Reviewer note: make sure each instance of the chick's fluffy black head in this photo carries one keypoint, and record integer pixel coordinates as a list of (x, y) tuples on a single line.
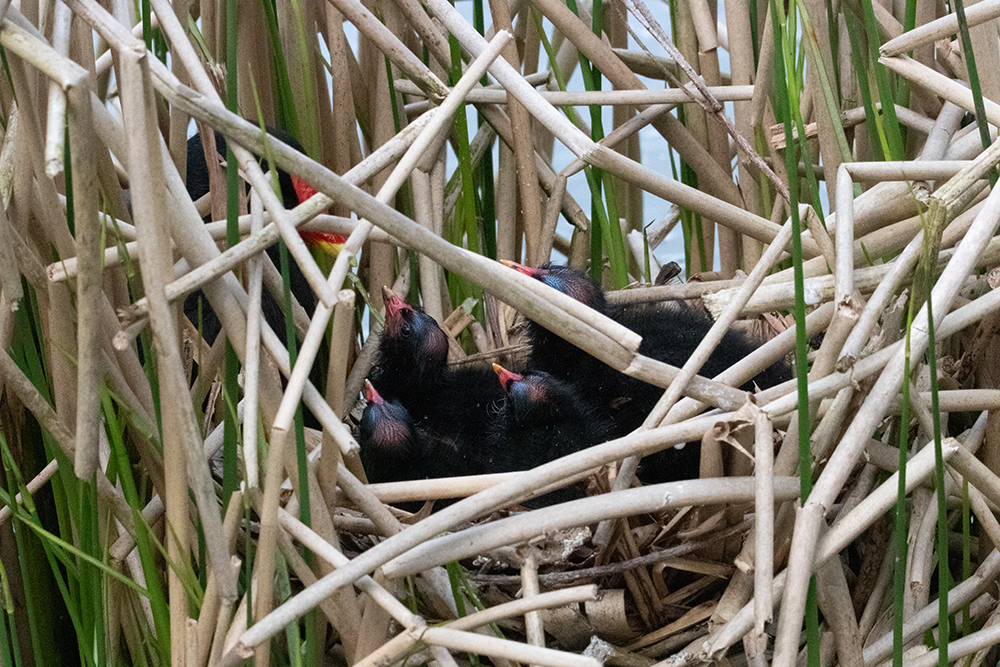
[(535, 396)]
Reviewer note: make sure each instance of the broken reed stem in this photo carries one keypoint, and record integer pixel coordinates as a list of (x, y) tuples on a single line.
[(549, 600)]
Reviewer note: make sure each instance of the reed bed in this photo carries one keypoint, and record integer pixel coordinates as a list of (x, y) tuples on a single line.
[(163, 502)]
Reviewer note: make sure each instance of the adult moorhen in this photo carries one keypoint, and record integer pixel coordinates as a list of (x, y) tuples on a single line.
[(293, 191)]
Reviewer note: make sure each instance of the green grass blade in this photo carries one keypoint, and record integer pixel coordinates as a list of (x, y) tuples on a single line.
[(889, 124), (944, 572), (231, 364), (782, 60), (143, 534), (973, 71), (902, 512)]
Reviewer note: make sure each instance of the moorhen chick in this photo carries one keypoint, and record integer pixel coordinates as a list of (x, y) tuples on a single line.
[(453, 403), (670, 333), (392, 449), (293, 191), (543, 418)]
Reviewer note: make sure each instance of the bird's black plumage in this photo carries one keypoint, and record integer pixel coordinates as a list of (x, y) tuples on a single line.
[(542, 418), (412, 361), (549, 352), (395, 449), (670, 333)]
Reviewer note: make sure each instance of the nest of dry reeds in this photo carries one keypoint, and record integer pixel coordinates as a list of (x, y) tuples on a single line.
[(847, 517)]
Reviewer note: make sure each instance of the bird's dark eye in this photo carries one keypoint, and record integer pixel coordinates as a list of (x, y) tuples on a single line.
[(405, 330)]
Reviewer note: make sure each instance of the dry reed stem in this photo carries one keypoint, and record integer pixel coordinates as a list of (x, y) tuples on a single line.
[(926, 618), (763, 555), (341, 336), (668, 96), (919, 469), (35, 483), (212, 607), (90, 299), (251, 360), (781, 296), (942, 27), (581, 512), (524, 486), (181, 426), (534, 629), (144, 181), (511, 650), (842, 460)]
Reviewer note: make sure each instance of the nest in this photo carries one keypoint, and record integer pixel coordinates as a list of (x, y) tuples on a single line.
[(115, 407)]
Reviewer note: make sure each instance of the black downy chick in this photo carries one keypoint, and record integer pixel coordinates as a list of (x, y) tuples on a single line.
[(394, 449), (550, 352), (293, 190), (542, 419), (391, 448), (670, 334), (453, 403), (412, 361)]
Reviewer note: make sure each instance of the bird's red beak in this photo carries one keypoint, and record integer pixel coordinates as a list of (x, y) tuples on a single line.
[(371, 395), (526, 270), (506, 377), (325, 241), (393, 304)]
